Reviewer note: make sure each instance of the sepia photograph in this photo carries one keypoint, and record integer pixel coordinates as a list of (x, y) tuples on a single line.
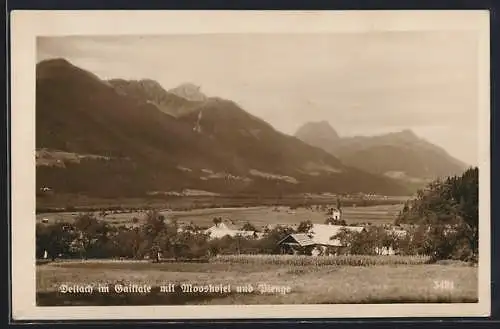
[(253, 167)]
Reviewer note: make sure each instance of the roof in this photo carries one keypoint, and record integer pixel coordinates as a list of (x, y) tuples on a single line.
[(301, 238), (225, 225), (320, 234), (323, 232), (222, 229)]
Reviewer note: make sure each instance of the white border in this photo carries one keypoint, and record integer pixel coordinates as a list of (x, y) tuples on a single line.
[(27, 25)]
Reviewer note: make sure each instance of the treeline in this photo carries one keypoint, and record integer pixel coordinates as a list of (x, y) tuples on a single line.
[(447, 210), (89, 237), (417, 240)]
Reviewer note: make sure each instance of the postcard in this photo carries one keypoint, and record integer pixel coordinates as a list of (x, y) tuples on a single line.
[(250, 164)]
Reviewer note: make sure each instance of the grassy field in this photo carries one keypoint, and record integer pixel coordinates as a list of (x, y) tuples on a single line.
[(304, 260), (258, 216), (47, 202), (328, 284)]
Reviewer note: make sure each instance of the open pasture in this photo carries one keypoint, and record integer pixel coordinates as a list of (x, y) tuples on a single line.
[(258, 216), (308, 284)]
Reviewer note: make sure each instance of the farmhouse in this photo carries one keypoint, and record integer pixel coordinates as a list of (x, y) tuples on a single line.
[(317, 240), (221, 229), (323, 232), (296, 242)]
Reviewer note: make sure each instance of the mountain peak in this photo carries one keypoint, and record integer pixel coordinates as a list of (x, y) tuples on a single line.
[(54, 62), (319, 130), (61, 67), (405, 134), (47, 66), (408, 132), (189, 91), (151, 83)]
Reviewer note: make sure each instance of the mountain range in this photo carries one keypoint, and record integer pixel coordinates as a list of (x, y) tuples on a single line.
[(400, 155), (115, 138)]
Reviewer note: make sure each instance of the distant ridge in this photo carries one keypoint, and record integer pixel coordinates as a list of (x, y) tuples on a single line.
[(401, 155)]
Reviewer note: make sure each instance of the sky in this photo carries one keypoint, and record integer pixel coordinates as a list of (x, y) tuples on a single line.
[(361, 83)]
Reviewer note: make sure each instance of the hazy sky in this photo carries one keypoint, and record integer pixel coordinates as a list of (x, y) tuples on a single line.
[(362, 83)]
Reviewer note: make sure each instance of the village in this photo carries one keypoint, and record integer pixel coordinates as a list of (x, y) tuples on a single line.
[(308, 238), (149, 234)]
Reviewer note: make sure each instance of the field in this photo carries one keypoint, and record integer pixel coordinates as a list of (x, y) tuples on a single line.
[(304, 260), (281, 283), (258, 216)]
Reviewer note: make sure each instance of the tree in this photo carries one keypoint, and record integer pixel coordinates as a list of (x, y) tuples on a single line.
[(150, 231), (269, 244), (126, 242), (249, 227), (304, 226), (217, 220), (333, 221), (465, 191), (56, 239), (92, 235), (448, 210), (367, 242)]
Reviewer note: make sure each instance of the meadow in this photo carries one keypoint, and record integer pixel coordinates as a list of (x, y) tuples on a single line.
[(305, 260), (307, 284), (257, 216)]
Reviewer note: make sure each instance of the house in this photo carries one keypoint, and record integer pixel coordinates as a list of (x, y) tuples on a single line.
[(222, 229), (317, 241), (296, 243), (323, 232), (334, 213)]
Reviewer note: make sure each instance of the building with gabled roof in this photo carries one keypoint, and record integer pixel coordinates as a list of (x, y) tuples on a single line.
[(317, 240), (220, 230), (322, 233), (298, 239)]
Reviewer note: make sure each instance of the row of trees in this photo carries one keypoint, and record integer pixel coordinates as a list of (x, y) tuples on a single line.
[(89, 237), (418, 240)]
